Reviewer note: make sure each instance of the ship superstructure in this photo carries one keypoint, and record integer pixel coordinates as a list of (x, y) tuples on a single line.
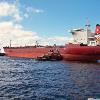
[(85, 45), (85, 36)]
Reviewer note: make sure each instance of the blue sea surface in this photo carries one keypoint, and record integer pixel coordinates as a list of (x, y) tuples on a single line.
[(27, 79)]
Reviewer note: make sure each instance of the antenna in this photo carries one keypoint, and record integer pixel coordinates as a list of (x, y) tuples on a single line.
[(87, 24), (10, 43), (37, 44)]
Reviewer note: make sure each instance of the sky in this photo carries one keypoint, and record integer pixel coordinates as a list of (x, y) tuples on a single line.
[(47, 21)]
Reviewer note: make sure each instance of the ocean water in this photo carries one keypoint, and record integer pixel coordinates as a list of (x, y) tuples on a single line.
[(27, 79)]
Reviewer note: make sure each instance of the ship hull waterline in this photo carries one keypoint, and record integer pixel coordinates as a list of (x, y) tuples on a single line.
[(29, 52), (69, 52), (82, 58), (75, 52)]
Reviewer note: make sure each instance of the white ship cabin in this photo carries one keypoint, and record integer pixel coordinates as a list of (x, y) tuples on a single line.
[(84, 36)]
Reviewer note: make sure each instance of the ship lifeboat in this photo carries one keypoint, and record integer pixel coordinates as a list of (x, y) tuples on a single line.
[(76, 52)]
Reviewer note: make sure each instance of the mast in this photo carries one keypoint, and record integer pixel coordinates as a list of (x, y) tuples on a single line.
[(37, 44), (88, 25), (10, 43)]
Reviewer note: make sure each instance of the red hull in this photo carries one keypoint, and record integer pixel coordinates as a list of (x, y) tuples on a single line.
[(71, 52), (83, 58), (75, 52), (29, 52)]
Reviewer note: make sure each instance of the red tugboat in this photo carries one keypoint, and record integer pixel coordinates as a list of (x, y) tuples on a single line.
[(52, 55), (85, 45)]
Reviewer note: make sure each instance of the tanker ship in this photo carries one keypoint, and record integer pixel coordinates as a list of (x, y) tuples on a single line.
[(31, 51), (84, 47)]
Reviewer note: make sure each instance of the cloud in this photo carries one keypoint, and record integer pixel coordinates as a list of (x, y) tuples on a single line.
[(33, 10), (26, 15), (21, 37), (59, 40), (8, 9), (16, 33), (11, 30)]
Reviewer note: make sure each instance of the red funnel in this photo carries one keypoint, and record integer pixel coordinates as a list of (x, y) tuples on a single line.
[(97, 31)]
